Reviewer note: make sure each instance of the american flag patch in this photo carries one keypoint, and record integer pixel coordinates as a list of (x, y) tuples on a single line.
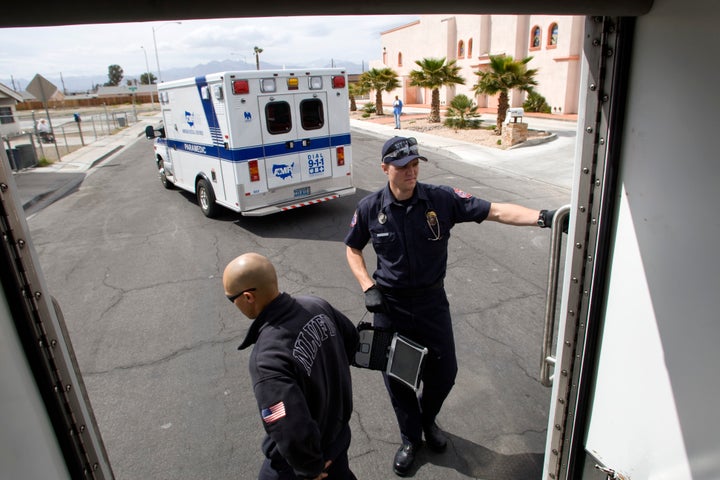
[(353, 222), (273, 413), (461, 194)]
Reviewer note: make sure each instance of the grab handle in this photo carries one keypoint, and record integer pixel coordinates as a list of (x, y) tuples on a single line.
[(548, 361)]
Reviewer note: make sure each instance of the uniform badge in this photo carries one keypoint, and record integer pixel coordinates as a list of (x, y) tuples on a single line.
[(382, 218)]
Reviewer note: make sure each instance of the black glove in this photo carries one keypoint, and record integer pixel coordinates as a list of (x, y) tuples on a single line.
[(374, 300), (546, 220)]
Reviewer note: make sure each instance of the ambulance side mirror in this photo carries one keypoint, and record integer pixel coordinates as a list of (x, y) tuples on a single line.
[(149, 132)]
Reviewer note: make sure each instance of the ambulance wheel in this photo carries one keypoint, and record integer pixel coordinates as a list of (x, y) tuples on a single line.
[(163, 178), (206, 199)]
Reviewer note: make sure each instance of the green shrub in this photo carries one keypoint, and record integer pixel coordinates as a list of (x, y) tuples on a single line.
[(536, 103), (369, 108), (462, 113)]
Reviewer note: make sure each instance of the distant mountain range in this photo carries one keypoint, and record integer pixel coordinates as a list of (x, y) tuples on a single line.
[(82, 84)]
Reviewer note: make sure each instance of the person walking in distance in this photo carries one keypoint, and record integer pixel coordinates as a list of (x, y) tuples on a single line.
[(408, 224), (300, 371), (397, 111)]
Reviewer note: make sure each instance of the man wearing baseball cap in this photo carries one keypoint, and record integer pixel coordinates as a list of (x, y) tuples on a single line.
[(409, 225)]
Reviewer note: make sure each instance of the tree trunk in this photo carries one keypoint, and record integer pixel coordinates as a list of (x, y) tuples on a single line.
[(378, 103), (353, 104), (435, 106), (503, 105)]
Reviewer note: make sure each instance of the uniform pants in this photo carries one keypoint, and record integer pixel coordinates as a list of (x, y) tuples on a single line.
[(339, 469), (426, 320)]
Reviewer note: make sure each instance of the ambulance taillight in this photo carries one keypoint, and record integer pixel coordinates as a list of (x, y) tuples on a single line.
[(340, 156), (338, 81), (254, 171), (240, 87)]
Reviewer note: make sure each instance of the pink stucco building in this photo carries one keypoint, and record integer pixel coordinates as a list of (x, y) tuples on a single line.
[(554, 41)]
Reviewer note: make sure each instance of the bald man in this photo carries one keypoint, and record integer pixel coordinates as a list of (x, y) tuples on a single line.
[(300, 370)]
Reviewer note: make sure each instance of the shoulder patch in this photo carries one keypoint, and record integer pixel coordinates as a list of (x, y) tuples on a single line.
[(461, 194), (273, 413), (353, 222)]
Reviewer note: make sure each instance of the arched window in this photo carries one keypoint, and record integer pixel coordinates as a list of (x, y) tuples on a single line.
[(469, 49), (553, 35), (399, 59), (535, 38), (461, 49)]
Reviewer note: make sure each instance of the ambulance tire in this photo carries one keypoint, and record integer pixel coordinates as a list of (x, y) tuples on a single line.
[(206, 199), (163, 178)]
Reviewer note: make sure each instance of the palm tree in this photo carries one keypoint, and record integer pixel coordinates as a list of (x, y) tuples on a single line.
[(505, 74), (433, 74), (257, 51), (462, 113), (380, 80), (355, 90)]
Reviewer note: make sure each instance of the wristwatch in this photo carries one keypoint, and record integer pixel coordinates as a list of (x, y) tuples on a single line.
[(541, 219)]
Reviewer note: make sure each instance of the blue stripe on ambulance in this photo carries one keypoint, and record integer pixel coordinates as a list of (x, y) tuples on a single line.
[(258, 151)]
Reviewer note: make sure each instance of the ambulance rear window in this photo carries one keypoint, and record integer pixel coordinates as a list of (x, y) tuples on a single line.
[(311, 114), (277, 115)]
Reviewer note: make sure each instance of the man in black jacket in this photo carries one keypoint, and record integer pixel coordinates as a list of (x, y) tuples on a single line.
[(300, 369)]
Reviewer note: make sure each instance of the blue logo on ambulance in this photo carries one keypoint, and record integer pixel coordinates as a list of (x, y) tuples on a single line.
[(283, 171)]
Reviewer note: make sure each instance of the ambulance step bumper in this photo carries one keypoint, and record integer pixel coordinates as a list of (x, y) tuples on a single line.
[(311, 200)]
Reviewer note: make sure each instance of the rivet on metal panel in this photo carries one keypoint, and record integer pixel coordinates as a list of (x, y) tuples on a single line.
[(582, 208), (568, 343), (68, 387), (574, 279), (555, 452), (564, 373), (3, 187), (571, 313), (589, 259), (586, 170), (561, 401), (38, 294), (578, 245), (605, 98), (557, 426), (597, 182), (610, 52), (589, 129), (53, 343), (21, 243), (596, 42), (593, 87), (602, 141)]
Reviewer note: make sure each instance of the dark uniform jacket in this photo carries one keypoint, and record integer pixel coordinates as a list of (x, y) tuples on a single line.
[(411, 238), (301, 376)]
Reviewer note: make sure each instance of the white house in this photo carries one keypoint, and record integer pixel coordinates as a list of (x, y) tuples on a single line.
[(554, 41), (8, 123)]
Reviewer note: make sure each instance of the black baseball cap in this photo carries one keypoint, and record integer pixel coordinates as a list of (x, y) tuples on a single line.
[(399, 151)]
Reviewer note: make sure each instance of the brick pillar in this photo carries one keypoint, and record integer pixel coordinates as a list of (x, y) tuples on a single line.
[(514, 133)]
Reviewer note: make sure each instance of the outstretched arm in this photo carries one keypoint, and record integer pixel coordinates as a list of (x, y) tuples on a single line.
[(511, 214)]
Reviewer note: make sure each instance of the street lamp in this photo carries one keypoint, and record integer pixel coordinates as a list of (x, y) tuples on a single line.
[(149, 76), (257, 51), (157, 60)]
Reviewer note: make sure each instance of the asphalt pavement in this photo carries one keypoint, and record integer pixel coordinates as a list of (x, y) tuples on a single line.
[(550, 161)]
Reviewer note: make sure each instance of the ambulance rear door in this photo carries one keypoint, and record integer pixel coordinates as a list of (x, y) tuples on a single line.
[(296, 142)]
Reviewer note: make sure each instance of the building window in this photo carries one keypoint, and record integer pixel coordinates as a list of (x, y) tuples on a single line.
[(400, 59), (384, 56), (553, 35), (461, 49), (469, 49), (535, 38), (6, 116)]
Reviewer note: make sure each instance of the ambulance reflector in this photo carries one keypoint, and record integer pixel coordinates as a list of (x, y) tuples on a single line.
[(254, 171), (340, 156), (240, 87), (293, 83), (338, 81)]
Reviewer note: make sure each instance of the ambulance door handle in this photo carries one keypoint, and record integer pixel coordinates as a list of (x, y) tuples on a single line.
[(306, 142), (547, 360), (290, 145)]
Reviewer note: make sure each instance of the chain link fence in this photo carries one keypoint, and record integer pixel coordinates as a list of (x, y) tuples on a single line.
[(69, 130)]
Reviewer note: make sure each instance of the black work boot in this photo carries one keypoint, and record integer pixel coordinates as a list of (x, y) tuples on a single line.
[(405, 457), (435, 438)]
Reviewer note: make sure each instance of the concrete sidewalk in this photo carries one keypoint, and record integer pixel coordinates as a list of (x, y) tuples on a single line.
[(550, 162), (40, 187)]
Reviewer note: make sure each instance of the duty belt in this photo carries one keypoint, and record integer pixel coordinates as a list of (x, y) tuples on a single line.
[(411, 292)]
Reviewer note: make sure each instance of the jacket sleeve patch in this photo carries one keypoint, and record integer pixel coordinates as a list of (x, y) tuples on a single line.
[(273, 413)]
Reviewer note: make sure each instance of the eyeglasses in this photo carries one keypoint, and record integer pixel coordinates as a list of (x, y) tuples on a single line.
[(232, 298), (402, 149)]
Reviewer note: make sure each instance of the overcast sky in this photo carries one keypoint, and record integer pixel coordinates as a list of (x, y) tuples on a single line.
[(89, 49)]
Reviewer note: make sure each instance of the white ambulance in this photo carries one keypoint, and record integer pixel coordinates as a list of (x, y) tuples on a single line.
[(256, 142)]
